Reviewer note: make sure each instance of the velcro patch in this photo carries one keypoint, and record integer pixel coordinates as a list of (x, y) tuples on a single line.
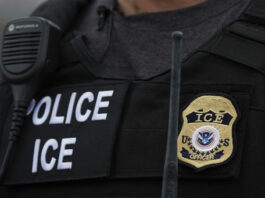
[(69, 134), (206, 137)]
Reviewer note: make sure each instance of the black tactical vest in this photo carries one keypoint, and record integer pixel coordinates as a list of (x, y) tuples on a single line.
[(87, 136)]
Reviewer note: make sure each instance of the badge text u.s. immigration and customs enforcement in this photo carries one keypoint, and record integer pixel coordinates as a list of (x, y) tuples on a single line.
[(206, 137)]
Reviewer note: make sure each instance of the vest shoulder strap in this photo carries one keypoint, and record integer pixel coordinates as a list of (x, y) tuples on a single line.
[(256, 9), (241, 42), (66, 14), (62, 13)]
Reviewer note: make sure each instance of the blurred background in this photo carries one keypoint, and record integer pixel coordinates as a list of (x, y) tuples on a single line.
[(12, 9)]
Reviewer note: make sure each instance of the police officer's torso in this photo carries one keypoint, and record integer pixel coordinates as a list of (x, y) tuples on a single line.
[(87, 136)]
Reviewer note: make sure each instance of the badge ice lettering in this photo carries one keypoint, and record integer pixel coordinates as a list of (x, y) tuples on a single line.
[(46, 107), (40, 154), (221, 117)]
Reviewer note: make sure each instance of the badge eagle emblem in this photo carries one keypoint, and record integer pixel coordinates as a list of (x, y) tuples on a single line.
[(206, 137)]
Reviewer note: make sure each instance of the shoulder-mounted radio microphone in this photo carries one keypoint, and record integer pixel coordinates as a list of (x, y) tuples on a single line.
[(30, 55), (30, 52)]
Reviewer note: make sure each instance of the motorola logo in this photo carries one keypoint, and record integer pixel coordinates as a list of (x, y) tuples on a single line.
[(11, 28), (26, 26)]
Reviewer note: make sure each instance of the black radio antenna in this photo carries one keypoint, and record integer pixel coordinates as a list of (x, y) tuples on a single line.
[(170, 178)]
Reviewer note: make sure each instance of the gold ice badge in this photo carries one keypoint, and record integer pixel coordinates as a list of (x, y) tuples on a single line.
[(206, 137)]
